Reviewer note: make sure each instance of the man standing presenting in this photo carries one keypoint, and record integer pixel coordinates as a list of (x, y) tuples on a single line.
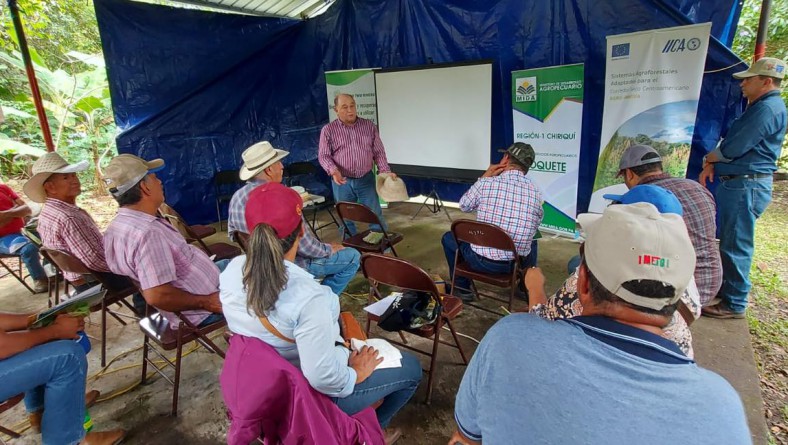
[(348, 147), (744, 163), (334, 263), (642, 165), (505, 197)]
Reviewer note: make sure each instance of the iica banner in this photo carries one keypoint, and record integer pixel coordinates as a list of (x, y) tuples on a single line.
[(361, 84), (652, 85), (548, 113)]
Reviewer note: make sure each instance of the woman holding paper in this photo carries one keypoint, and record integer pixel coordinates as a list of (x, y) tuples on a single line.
[(265, 295)]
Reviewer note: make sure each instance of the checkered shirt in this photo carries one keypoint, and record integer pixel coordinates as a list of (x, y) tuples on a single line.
[(510, 201), (152, 252), (66, 227), (700, 217), (351, 148), (308, 248)]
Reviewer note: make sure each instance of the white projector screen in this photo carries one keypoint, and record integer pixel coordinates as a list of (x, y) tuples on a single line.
[(435, 120)]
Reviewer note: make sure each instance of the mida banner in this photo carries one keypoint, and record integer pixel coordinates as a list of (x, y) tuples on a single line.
[(547, 108), (652, 85)]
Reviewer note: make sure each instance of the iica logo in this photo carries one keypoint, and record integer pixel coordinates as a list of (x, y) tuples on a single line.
[(679, 45), (526, 90)]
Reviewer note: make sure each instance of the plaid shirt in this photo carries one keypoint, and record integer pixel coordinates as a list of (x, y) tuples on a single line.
[(510, 201), (152, 252), (699, 216), (308, 248), (351, 148), (66, 227)]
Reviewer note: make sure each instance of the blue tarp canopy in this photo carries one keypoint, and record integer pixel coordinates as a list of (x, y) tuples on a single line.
[(196, 88)]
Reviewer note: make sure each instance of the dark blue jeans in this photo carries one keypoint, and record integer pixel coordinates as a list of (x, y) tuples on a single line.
[(361, 190), (52, 376), (478, 262), (394, 385), (740, 202)]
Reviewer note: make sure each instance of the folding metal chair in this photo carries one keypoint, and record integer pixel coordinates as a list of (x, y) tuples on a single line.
[(15, 269), (242, 239), (381, 269), (5, 406), (308, 169), (222, 251), (485, 235), (356, 212), (157, 329), (115, 295), (221, 183)]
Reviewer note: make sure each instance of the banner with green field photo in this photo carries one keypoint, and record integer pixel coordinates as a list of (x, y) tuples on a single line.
[(547, 108), (652, 86)]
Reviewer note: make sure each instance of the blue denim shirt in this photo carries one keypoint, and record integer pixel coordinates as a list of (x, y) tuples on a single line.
[(755, 139)]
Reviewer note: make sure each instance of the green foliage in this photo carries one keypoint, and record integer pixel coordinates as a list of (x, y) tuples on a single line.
[(674, 158), (65, 48)]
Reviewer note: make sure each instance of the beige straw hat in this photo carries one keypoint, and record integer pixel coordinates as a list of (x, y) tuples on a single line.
[(391, 189), (258, 157), (45, 167)]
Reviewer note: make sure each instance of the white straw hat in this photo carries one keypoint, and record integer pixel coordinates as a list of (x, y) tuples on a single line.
[(258, 157), (391, 189), (45, 167)]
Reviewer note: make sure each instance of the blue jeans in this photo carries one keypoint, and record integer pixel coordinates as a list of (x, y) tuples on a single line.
[(394, 385), (478, 262), (52, 375), (338, 269), (739, 203), (361, 190), (28, 254)]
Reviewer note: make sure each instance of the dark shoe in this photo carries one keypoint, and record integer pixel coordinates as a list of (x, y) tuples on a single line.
[(464, 295), (113, 437), (391, 435), (721, 310)]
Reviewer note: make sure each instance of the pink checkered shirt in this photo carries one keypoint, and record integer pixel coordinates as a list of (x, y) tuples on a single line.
[(510, 201), (351, 148), (152, 252), (66, 227)]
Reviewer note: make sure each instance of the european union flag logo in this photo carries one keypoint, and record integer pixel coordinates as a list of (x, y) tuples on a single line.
[(620, 50)]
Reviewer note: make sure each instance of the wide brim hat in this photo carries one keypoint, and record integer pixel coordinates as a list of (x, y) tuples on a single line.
[(43, 168), (391, 189), (258, 157)]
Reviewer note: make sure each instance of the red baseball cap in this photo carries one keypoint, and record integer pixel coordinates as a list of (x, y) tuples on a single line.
[(275, 205)]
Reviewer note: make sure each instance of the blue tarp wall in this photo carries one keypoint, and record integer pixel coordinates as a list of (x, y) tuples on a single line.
[(196, 88)]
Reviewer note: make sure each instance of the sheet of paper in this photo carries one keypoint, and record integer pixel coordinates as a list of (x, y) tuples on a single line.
[(392, 357), (379, 307)]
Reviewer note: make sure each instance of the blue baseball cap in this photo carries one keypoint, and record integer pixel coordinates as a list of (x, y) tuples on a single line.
[(663, 199)]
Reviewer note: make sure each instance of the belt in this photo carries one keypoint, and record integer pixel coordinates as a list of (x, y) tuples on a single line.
[(750, 176)]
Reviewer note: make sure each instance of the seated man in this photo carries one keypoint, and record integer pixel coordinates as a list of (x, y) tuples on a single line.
[(12, 212), (642, 165), (566, 304), (337, 264), (50, 368), (172, 274), (64, 226), (505, 197), (607, 376)]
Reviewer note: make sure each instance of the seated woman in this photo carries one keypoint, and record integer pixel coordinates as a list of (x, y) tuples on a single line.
[(265, 295)]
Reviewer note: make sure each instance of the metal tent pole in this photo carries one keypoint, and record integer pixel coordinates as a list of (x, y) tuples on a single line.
[(763, 27), (31, 75)]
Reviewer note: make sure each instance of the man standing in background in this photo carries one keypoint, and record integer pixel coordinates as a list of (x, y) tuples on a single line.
[(744, 163), (348, 148)]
